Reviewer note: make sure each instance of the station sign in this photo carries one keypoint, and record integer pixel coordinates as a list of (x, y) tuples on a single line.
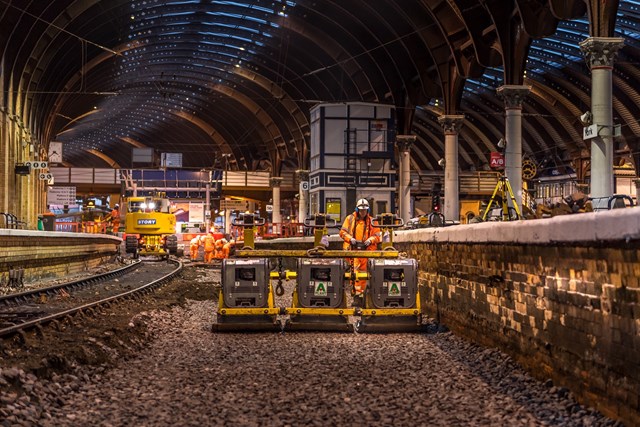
[(234, 205), (196, 212), (61, 195)]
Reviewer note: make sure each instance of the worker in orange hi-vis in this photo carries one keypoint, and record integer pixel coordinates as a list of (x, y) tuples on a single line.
[(359, 233), (209, 247), (194, 245), (226, 250), (220, 248), (115, 219)]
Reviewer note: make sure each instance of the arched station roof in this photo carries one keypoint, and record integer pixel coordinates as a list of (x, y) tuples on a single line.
[(217, 79)]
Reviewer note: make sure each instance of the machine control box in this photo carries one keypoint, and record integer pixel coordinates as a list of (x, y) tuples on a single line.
[(393, 283), (321, 282), (245, 282)]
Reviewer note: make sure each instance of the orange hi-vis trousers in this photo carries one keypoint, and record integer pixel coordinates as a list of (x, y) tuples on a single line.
[(359, 265), (193, 251)]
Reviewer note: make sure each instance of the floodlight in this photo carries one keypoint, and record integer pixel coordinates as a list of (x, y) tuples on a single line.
[(586, 119)]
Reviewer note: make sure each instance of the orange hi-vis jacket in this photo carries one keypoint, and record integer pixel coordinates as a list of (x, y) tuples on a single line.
[(219, 245), (209, 243), (115, 219), (360, 229)]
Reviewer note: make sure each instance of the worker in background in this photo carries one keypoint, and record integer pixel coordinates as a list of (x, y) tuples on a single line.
[(220, 248), (194, 245), (115, 219), (359, 233), (209, 247), (228, 248)]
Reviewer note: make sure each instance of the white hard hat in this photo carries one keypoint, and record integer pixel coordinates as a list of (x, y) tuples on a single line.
[(362, 204)]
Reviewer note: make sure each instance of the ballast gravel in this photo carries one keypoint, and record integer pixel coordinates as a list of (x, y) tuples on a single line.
[(190, 376)]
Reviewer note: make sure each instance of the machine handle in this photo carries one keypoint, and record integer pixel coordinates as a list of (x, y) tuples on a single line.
[(248, 221), (388, 220), (320, 221)]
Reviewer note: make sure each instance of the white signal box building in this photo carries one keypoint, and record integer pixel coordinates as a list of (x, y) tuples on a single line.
[(352, 157)]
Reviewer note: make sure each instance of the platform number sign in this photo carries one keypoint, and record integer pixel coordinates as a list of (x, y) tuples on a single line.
[(45, 176), (304, 185), (497, 160)]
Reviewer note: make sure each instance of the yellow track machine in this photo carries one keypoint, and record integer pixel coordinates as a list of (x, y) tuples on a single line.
[(150, 227), (319, 301)]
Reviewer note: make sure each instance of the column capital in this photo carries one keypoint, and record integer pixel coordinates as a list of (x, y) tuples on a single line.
[(275, 181), (404, 142), (302, 174), (451, 123), (601, 51), (513, 95)]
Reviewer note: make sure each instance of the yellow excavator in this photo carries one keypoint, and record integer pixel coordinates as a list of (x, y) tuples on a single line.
[(150, 226)]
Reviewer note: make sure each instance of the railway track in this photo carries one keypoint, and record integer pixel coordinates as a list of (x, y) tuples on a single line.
[(29, 309)]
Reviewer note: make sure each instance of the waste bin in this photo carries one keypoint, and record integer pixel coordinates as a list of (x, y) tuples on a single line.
[(49, 222)]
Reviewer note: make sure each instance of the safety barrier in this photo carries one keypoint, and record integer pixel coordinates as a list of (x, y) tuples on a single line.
[(11, 221), (94, 227), (68, 226), (616, 201), (272, 230)]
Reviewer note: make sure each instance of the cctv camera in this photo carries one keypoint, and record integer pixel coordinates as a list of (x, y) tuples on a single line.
[(586, 119), (502, 143), (441, 162)]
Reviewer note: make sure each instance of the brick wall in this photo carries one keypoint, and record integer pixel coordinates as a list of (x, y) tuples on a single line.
[(563, 301)]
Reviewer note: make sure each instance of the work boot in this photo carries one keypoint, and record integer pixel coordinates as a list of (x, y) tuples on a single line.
[(358, 301)]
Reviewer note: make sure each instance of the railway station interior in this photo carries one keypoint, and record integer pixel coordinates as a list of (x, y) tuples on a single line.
[(493, 144)]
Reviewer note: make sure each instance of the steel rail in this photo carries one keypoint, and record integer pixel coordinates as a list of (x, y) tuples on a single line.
[(15, 299), (46, 319)]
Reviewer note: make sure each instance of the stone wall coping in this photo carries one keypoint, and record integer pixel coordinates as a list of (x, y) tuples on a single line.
[(5, 232), (612, 225)]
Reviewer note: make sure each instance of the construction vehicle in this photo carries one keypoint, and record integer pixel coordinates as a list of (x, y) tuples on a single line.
[(319, 300), (150, 227)]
